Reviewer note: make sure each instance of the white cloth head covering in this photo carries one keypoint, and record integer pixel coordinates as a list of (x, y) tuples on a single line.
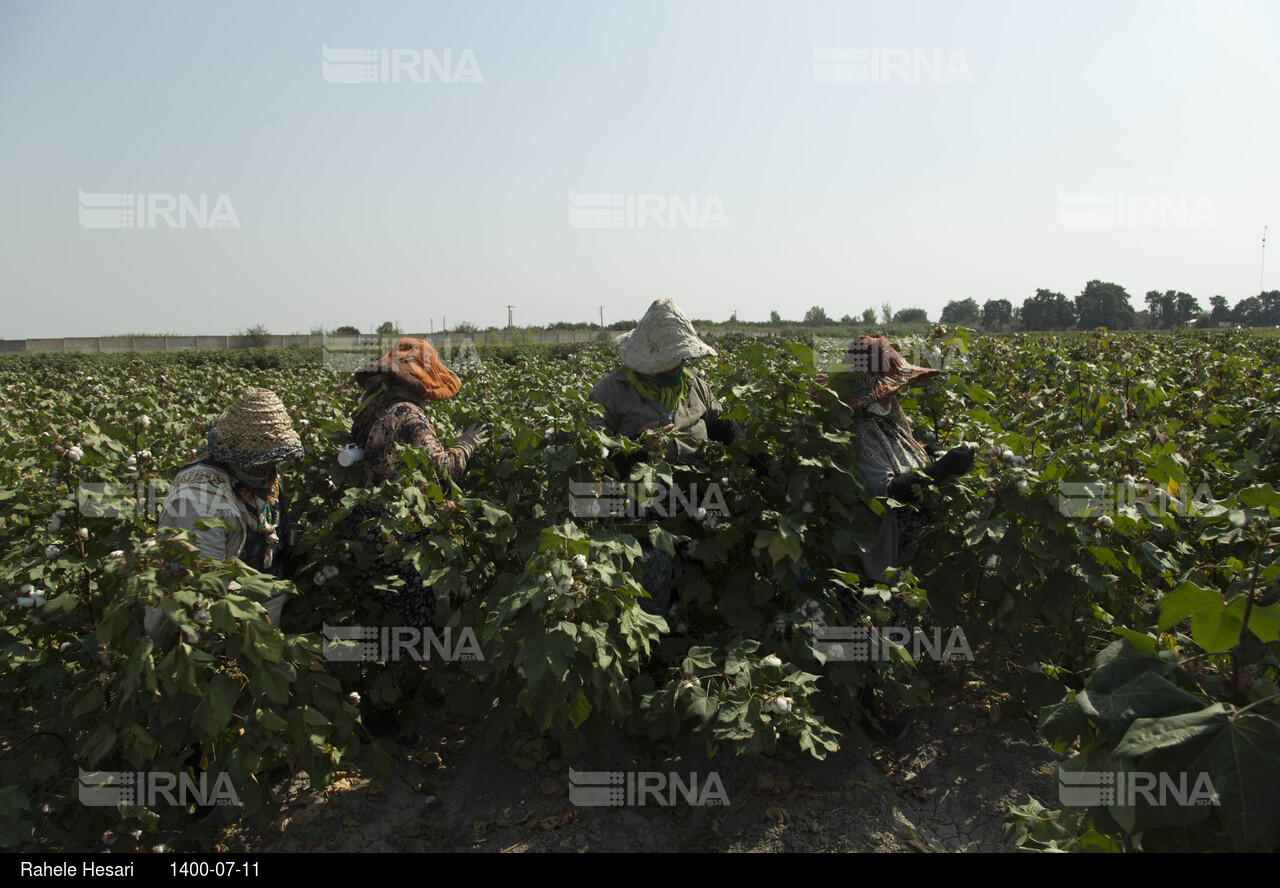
[(661, 341)]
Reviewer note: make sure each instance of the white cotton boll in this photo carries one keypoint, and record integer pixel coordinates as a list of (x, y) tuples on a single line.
[(64, 647), (699, 514), (74, 455), (807, 508), (1105, 521), (116, 553), (548, 579), (330, 571), (51, 552), (145, 454), (565, 585), (604, 452), (771, 660), (779, 626), (1007, 456), (233, 586), (712, 521), (203, 617), (1023, 487), (144, 420), (37, 593), (681, 628), (579, 562), (82, 533), (354, 698), (26, 589), (318, 578), (1019, 462), (26, 602)]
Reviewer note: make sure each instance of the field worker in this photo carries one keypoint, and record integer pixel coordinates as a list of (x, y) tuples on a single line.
[(892, 462), (234, 478), (396, 388), (653, 390)]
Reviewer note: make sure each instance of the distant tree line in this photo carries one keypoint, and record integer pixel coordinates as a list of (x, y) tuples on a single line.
[(1099, 304)]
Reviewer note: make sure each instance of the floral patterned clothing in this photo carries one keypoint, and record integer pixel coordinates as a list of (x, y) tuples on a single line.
[(394, 417), (396, 421)]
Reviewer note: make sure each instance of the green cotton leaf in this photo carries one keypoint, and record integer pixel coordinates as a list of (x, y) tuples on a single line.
[(1147, 735), (92, 699), (1063, 723), (98, 744), (1262, 495), (1144, 643), (579, 710), (264, 643), (270, 720), (1217, 628), (1264, 622), (275, 680), (1183, 602), (1143, 696), (59, 605), (214, 711), (1240, 753)]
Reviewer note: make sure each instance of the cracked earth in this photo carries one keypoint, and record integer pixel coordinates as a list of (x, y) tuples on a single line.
[(944, 786)]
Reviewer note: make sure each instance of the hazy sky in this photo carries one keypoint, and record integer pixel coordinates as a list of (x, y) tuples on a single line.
[(761, 156)]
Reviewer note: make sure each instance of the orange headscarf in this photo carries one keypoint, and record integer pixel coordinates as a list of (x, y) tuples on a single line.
[(416, 366)]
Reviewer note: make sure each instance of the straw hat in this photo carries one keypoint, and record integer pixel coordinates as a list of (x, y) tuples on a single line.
[(416, 366), (872, 369), (254, 432), (663, 338)]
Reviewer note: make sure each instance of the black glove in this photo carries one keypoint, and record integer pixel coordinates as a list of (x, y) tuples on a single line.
[(955, 461), (623, 462), (906, 488), (725, 431), (933, 449)]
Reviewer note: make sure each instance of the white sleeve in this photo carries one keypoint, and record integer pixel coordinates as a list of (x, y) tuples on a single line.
[(212, 543)]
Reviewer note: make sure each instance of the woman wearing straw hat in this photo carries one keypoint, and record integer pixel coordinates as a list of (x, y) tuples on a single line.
[(235, 479), (653, 391), (892, 462)]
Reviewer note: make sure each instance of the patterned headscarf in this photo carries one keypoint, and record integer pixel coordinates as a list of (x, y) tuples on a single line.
[(414, 365)]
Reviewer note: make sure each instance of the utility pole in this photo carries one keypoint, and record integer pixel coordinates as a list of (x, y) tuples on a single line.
[(509, 307), (444, 323), (1262, 273), (602, 319)]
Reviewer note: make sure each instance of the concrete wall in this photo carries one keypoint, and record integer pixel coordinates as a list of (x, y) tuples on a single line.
[(368, 342)]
